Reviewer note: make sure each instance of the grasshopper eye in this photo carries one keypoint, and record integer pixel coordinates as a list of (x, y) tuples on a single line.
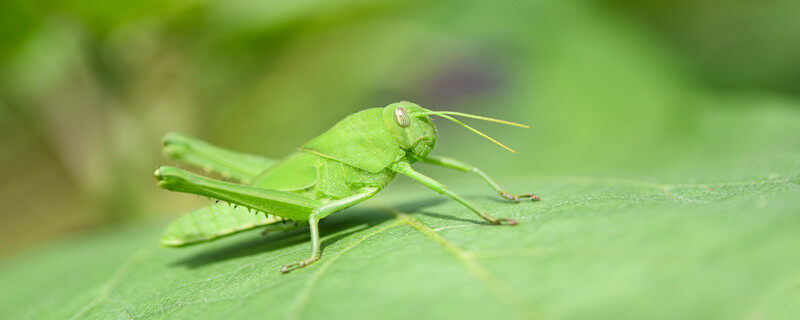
[(401, 117)]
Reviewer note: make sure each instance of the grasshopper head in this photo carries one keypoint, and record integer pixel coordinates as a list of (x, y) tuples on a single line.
[(416, 134), (411, 126)]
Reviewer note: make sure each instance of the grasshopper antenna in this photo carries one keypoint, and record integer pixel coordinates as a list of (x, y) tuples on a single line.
[(472, 116), (444, 114)]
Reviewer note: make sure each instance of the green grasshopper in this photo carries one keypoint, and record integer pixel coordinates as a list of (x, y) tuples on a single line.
[(346, 165)]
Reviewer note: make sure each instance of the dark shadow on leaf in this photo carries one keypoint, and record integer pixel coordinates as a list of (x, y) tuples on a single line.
[(417, 205), (495, 199), (351, 221), (452, 218), (341, 225)]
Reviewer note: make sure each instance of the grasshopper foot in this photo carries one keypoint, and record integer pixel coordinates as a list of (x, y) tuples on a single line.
[(298, 265), (515, 198)]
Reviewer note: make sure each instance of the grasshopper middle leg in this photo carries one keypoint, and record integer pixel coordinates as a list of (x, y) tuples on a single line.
[(322, 212)]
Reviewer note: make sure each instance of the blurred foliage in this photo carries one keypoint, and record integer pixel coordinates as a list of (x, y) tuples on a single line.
[(87, 88), (732, 44)]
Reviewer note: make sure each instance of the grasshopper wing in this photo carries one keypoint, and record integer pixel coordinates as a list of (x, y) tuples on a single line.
[(297, 171)]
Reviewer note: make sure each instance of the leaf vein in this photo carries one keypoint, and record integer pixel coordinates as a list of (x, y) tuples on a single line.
[(496, 286), (293, 312), (107, 286)]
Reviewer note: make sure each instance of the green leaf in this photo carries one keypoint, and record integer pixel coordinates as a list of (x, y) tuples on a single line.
[(702, 222), (724, 244)]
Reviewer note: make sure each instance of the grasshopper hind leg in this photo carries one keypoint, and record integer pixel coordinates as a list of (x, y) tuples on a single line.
[(288, 204), (230, 164)]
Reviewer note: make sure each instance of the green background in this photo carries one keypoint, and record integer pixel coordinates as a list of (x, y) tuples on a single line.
[(665, 143)]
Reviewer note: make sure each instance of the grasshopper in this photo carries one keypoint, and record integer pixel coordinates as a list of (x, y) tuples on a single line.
[(346, 165)]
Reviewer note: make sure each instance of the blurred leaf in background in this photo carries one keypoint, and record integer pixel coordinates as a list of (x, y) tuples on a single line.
[(730, 44)]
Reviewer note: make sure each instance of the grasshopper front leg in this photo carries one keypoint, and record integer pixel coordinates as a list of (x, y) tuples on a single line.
[(463, 166), (405, 168), (322, 212)]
